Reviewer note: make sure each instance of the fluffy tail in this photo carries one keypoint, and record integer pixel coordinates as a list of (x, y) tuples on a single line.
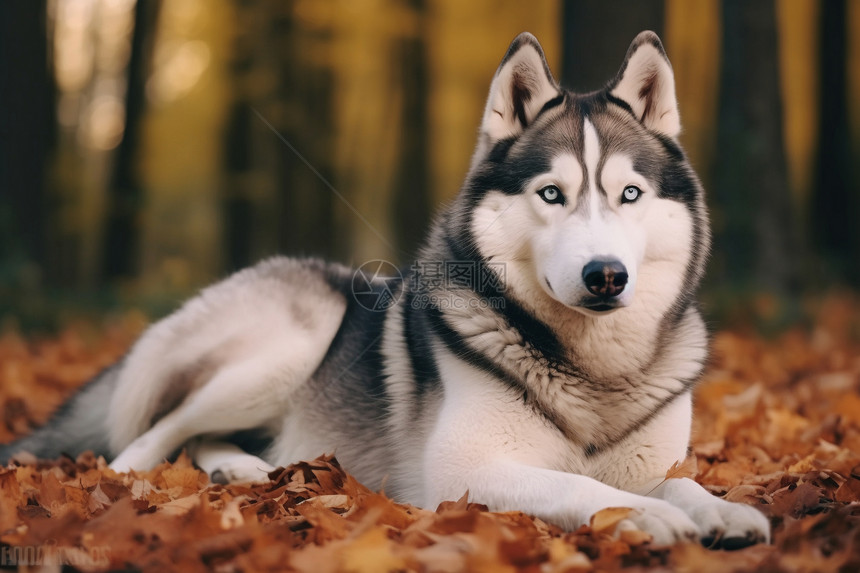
[(79, 425)]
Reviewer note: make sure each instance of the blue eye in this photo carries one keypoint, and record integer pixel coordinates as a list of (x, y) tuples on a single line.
[(631, 194), (552, 195)]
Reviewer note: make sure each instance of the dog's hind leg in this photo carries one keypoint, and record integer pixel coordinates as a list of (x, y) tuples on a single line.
[(232, 359), (240, 396), (228, 463)]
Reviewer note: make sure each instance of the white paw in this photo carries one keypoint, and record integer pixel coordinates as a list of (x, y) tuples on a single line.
[(729, 525), (724, 524), (242, 471), (666, 523), (136, 456)]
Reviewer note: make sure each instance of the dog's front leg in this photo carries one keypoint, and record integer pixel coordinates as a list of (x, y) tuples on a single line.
[(566, 499)]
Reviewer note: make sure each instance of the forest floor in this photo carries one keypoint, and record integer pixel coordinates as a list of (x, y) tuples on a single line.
[(777, 426)]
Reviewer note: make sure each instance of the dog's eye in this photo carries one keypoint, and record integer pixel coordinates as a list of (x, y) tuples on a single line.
[(552, 195), (631, 194)]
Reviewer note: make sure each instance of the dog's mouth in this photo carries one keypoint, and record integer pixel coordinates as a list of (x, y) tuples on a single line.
[(597, 305), (602, 307), (590, 305)]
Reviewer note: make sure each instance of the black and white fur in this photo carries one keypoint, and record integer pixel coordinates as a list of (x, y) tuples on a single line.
[(555, 389)]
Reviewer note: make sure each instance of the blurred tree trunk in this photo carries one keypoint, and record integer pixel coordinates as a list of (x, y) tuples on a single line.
[(236, 203), (237, 207), (692, 39), (412, 208), (368, 125), (835, 205), (247, 140), (124, 199), (304, 95), (273, 201), (596, 37), (754, 220), (27, 130)]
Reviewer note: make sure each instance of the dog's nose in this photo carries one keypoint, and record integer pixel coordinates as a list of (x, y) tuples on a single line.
[(605, 278)]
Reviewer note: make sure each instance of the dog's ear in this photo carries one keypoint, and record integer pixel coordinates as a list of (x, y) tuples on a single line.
[(521, 87), (646, 83)]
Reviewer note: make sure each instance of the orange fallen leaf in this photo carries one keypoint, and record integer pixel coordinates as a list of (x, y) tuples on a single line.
[(689, 468), (371, 552), (606, 520)]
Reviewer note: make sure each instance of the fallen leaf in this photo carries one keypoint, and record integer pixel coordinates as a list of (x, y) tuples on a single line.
[(689, 468), (605, 520), (371, 552)]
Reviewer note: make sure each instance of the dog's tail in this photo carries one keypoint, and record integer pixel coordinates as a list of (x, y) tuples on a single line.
[(79, 425)]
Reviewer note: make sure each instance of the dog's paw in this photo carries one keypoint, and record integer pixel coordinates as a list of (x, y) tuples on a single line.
[(246, 470), (728, 525), (724, 524), (666, 523)]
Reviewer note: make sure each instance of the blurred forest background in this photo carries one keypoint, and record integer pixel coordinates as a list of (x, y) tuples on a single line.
[(148, 147)]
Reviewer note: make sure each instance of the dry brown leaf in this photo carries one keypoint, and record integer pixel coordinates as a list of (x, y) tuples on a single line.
[(634, 537), (605, 520), (371, 552), (745, 493), (849, 492), (180, 506), (10, 499), (689, 468)]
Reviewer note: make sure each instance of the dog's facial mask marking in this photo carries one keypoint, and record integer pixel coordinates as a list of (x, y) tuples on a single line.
[(579, 223), (587, 253)]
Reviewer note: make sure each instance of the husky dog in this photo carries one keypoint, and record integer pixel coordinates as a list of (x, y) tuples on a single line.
[(540, 354)]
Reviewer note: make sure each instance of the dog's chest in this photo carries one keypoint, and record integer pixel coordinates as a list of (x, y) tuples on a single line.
[(541, 406), (589, 411)]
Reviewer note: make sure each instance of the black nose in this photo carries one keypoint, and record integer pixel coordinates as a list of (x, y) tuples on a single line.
[(605, 278)]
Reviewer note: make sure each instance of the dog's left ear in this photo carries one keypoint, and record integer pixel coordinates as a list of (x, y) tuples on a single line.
[(521, 87), (647, 84)]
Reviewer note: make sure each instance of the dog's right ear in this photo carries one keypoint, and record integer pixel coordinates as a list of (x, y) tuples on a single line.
[(647, 84), (521, 87)]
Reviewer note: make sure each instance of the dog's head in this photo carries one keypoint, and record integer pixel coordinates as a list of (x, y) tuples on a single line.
[(587, 199)]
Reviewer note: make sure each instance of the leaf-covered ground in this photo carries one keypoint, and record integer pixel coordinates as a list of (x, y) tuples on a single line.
[(777, 426)]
